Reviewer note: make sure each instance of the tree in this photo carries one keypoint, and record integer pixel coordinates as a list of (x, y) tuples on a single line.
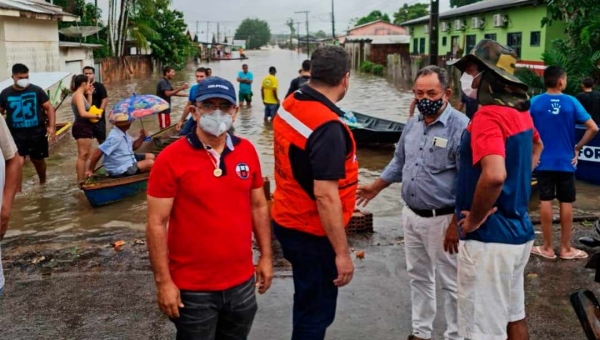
[(460, 3), (170, 46), (256, 32), (579, 54), (373, 16), (320, 35), (406, 12), (290, 24), (89, 16)]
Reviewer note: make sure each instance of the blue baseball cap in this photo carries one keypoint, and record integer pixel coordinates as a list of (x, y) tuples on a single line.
[(215, 87)]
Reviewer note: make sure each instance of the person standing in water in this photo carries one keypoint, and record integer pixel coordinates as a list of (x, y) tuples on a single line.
[(30, 118), (83, 128)]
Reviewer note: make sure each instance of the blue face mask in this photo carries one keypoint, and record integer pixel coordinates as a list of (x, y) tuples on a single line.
[(216, 123)]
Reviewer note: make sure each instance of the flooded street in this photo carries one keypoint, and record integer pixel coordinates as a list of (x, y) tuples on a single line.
[(61, 207), (65, 281)]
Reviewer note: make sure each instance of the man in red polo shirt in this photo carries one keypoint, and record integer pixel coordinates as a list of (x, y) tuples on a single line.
[(208, 188)]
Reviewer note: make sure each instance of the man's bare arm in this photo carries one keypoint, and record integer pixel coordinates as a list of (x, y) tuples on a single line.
[(262, 232), (590, 132), (159, 210), (538, 147), (104, 104), (330, 210), (50, 113), (94, 158)]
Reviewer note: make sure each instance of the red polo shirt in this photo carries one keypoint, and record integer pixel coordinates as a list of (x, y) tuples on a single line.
[(210, 227)]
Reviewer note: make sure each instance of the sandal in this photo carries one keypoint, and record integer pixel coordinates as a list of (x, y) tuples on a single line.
[(537, 251), (579, 254)]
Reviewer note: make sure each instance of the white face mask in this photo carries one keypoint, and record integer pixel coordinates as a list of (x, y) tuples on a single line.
[(466, 82), (23, 83), (216, 123)]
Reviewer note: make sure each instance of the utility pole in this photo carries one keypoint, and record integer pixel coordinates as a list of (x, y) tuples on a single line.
[(197, 27), (307, 43), (332, 21), (298, 35), (433, 32), (207, 28)]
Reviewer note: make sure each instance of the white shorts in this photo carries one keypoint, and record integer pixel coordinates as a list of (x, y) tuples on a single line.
[(491, 289)]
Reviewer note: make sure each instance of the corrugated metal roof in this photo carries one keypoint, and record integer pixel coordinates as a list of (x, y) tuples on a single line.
[(380, 39), (371, 23), (37, 7), (478, 7)]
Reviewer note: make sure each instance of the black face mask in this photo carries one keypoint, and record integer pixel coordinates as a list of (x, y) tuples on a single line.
[(429, 107)]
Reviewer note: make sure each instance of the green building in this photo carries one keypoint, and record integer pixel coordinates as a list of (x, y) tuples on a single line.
[(514, 23)]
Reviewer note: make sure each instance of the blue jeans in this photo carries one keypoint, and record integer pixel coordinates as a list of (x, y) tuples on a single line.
[(315, 295), (219, 315), (189, 126), (271, 110)]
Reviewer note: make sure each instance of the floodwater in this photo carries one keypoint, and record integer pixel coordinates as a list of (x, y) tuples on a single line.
[(60, 206)]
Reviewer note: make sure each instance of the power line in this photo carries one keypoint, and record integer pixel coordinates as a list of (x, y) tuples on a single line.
[(307, 43)]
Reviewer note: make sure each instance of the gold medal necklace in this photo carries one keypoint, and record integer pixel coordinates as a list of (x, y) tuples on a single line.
[(217, 172)]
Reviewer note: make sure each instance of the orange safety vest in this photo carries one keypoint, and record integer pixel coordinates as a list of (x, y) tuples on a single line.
[(292, 206)]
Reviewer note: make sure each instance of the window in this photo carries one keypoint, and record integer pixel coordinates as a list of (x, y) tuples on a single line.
[(455, 46), (422, 47), (513, 40), (444, 41), (471, 41), (415, 46), (536, 38), (491, 36)]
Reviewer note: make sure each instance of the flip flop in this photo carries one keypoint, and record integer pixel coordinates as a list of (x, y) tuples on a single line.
[(579, 254), (537, 251)]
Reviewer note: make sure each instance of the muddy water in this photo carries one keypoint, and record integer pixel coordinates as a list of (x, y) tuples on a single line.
[(61, 207)]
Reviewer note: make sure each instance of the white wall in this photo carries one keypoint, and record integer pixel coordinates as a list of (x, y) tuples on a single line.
[(28, 41)]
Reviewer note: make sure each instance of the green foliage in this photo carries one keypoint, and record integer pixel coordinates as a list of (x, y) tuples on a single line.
[(170, 46), (256, 32), (377, 70), (373, 16), (369, 67), (579, 54), (321, 34), (406, 12), (533, 81), (460, 3), (90, 16), (366, 66)]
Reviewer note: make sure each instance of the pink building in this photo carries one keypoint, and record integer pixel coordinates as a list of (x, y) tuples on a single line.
[(378, 27)]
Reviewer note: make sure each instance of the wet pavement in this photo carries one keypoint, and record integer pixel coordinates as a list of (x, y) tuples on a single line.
[(65, 281)]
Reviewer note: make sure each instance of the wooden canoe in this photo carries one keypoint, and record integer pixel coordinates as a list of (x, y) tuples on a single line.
[(101, 189), (375, 130)]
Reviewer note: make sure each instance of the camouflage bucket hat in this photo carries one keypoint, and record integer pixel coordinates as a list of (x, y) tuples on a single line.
[(495, 57)]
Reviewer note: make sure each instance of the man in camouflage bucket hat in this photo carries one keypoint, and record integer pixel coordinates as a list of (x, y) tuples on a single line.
[(498, 152)]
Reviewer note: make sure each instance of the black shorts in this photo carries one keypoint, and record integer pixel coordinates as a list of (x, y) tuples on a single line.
[(99, 131), (556, 184), (31, 142), (81, 129)]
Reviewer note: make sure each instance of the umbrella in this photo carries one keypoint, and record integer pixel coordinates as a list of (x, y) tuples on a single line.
[(136, 107)]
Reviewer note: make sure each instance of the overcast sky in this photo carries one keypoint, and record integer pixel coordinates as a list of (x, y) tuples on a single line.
[(231, 12)]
